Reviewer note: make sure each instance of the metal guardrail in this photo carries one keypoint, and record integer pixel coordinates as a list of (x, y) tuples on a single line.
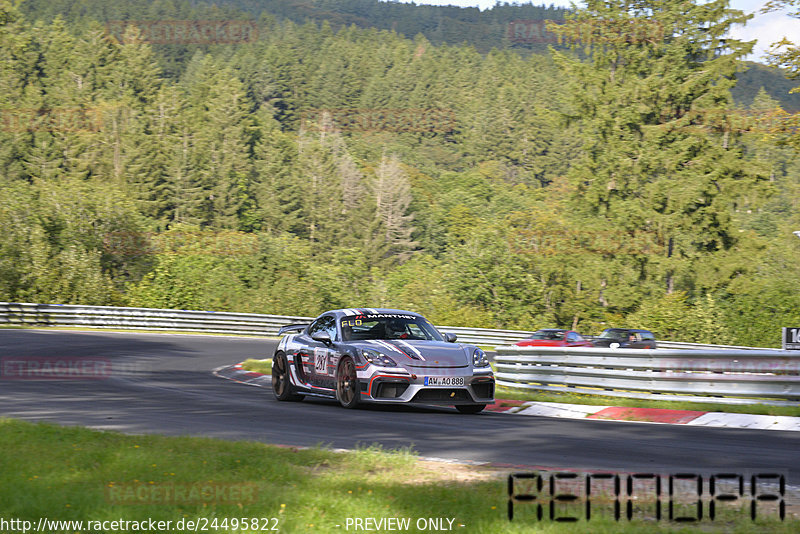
[(674, 371), (485, 336), (725, 376), (195, 321), (689, 346), (231, 323), (137, 318)]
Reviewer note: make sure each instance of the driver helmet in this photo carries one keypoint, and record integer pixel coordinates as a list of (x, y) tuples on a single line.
[(395, 327)]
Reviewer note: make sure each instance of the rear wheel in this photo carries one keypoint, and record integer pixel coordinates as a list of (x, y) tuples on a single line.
[(281, 385), (347, 390), (470, 408)]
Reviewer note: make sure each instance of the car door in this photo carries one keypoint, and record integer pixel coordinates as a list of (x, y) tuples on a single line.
[(648, 340), (320, 369), (637, 342)]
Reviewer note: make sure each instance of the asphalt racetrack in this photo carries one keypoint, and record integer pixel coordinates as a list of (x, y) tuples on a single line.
[(162, 383)]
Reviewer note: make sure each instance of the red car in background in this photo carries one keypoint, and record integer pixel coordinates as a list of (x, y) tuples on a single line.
[(554, 337)]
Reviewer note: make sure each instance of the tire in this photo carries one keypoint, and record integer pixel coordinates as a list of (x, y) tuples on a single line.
[(347, 390), (281, 385), (470, 408)]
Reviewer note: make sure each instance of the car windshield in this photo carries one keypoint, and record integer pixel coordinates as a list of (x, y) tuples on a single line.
[(557, 335), (388, 326), (612, 334)]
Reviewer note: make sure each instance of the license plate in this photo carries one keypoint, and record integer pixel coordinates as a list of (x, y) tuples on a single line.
[(451, 381)]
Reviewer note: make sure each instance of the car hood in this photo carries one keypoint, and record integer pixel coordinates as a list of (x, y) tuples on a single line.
[(420, 354)]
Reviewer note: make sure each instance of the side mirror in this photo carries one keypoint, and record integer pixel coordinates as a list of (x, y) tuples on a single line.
[(450, 337), (322, 337)]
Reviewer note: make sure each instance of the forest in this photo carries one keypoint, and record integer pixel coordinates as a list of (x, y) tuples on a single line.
[(291, 157)]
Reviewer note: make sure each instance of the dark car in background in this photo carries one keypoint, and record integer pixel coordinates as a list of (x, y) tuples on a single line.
[(554, 337), (625, 338)]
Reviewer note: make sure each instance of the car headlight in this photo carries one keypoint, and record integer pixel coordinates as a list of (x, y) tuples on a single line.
[(479, 358), (376, 358)]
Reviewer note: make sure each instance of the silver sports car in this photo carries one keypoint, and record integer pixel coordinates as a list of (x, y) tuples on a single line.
[(380, 355)]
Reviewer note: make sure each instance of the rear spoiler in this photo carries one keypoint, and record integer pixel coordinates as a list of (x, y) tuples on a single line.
[(292, 328)]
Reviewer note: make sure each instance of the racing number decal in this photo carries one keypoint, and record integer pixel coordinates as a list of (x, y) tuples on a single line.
[(321, 361)]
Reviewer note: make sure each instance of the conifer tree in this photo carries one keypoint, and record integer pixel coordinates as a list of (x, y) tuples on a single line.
[(277, 184), (219, 140), (654, 106)]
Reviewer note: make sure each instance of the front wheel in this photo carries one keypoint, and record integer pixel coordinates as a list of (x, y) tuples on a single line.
[(281, 385), (347, 390), (470, 408)]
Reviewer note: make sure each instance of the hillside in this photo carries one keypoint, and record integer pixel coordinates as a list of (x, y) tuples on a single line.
[(774, 82), (316, 167)]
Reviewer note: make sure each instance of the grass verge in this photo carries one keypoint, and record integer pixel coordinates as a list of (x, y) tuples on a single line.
[(77, 474), (600, 400), (258, 366)]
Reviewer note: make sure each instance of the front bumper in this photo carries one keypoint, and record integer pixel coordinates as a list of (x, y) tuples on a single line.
[(387, 387)]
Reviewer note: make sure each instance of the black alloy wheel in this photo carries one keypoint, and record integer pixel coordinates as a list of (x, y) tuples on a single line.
[(281, 385), (347, 390)]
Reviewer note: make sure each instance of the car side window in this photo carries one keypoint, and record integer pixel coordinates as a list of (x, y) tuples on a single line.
[(326, 323), (572, 337)]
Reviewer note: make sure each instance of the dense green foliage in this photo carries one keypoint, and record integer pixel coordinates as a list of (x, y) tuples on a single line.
[(316, 167)]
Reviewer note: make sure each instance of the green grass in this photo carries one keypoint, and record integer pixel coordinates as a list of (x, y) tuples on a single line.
[(67, 473), (258, 366)]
